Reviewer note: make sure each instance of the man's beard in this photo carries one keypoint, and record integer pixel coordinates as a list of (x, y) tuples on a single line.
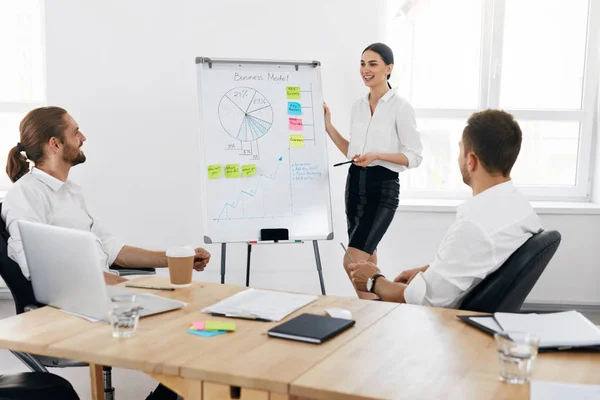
[(73, 156), (464, 172)]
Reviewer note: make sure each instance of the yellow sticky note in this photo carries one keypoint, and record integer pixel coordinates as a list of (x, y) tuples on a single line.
[(296, 140), (219, 326), (232, 171), (248, 170), (215, 171), (293, 92)]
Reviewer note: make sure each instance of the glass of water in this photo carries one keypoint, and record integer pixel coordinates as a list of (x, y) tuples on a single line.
[(123, 315), (516, 354)]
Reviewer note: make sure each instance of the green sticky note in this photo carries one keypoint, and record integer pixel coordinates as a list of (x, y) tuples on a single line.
[(248, 170), (232, 171), (215, 171), (293, 92), (296, 140), (219, 326)]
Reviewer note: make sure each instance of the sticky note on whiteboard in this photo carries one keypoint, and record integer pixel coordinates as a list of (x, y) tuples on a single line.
[(293, 92), (215, 171), (295, 124), (296, 140), (248, 170), (232, 171), (294, 108)]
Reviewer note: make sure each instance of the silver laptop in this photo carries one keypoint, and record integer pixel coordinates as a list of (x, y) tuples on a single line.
[(67, 273)]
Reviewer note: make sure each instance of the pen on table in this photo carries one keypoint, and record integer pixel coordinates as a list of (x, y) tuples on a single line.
[(348, 254), (342, 163), (241, 317), (148, 287)]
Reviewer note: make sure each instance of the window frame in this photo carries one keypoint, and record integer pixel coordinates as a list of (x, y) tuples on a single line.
[(490, 75), (25, 106)]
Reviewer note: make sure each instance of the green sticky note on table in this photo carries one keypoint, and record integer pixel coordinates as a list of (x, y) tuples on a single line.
[(215, 171), (248, 170), (296, 140), (293, 92), (219, 326), (232, 171)]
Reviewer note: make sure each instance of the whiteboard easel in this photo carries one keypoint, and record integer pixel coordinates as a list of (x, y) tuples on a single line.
[(264, 152)]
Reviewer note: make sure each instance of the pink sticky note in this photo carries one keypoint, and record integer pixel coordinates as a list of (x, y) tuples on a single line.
[(295, 124), (199, 326)]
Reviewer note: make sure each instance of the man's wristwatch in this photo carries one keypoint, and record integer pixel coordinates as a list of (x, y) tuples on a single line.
[(371, 282)]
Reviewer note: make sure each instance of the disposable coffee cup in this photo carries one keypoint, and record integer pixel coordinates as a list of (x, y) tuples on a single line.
[(181, 265)]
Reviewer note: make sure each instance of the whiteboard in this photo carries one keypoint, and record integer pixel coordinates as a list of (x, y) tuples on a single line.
[(263, 148)]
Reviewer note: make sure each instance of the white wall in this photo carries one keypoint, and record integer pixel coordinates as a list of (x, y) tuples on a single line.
[(125, 71)]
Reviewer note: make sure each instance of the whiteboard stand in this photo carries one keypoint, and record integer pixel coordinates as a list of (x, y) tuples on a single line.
[(263, 151), (249, 256)]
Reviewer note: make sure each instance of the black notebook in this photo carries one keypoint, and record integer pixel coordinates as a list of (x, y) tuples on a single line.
[(311, 328)]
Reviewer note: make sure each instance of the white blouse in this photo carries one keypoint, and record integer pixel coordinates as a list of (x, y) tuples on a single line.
[(391, 129)]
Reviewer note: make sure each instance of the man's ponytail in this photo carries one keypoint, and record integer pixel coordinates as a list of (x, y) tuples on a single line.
[(16, 163)]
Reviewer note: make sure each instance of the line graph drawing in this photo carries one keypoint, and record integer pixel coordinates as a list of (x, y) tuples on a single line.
[(245, 114), (258, 190)]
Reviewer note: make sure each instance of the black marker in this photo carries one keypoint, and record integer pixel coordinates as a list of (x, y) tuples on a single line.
[(342, 163)]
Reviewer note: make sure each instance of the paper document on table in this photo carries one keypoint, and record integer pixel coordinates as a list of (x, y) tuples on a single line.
[(562, 329), (544, 390), (263, 304)]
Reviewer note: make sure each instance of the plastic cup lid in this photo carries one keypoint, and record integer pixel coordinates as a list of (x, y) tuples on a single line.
[(182, 251)]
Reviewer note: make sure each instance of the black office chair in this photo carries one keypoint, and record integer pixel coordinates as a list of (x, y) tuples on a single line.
[(36, 386), (22, 292), (505, 289)]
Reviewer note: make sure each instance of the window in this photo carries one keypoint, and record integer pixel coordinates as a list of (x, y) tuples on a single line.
[(22, 76), (537, 59)]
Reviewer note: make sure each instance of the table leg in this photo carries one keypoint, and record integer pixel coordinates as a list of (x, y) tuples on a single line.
[(96, 382)]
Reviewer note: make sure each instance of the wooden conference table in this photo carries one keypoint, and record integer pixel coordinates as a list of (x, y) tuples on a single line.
[(393, 351)]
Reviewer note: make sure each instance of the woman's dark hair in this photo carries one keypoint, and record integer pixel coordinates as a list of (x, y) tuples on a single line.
[(36, 129), (386, 54)]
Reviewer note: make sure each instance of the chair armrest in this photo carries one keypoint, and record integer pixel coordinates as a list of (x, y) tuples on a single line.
[(30, 361), (60, 362), (132, 271)]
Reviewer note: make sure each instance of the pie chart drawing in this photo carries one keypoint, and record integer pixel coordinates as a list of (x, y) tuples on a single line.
[(245, 114)]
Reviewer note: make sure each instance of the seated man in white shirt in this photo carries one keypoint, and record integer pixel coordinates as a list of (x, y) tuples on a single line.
[(51, 139), (488, 228)]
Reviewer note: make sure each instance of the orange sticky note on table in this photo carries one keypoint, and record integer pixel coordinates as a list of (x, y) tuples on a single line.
[(199, 326), (295, 124)]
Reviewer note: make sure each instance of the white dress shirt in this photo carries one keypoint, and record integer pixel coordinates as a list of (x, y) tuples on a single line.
[(39, 197), (391, 129), (488, 228)]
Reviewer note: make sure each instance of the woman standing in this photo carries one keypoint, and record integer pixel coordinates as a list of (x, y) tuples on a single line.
[(383, 142)]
